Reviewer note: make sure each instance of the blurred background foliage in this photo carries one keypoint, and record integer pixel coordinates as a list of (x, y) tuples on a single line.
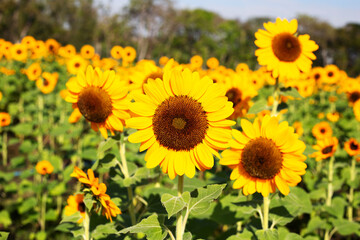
[(156, 28)]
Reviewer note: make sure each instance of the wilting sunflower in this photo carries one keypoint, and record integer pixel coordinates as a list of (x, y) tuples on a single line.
[(181, 121), (101, 98), (265, 156), (326, 148), (48, 82), (87, 51), (44, 167), (322, 130), (75, 204), (284, 53), (352, 147), (5, 119)]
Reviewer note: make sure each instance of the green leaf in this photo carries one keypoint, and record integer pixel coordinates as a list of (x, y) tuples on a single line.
[(270, 234), (60, 130), (201, 203), (172, 204), (23, 129), (344, 227), (51, 215), (72, 218), (41, 235), (315, 223), (258, 106), (337, 207), (105, 145), (290, 92), (149, 226), (89, 201), (4, 235), (103, 230), (187, 236), (27, 146), (5, 218), (246, 234), (297, 202), (58, 189), (140, 174), (27, 205), (280, 216)]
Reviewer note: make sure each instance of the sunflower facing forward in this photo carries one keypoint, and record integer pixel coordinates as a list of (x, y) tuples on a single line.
[(284, 53), (265, 156), (181, 121), (101, 99)]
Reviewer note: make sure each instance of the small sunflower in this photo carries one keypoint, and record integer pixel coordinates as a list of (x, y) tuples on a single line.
[(101, 98), (39, 50), (353, 94), (322, 130), (333, 116), (19, 52), (212, 63), (52, 46), (76, 64), (242, 67), (332, 74), (284, 53), (265, 156), (298, 128), (75, 204), (326, 148), (318, 74), (48, 82), (116, 52), (181, 120), (44, 167), (128, 54), (196, 62), (28, 41), (352, 147), (87, 51), (33, 72), (67, 51), (5, 119), (163, 60)]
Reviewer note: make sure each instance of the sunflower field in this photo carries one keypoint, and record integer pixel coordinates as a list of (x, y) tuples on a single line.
[(118, 148)]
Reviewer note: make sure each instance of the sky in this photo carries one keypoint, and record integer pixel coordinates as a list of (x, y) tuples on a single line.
[(337, 12)]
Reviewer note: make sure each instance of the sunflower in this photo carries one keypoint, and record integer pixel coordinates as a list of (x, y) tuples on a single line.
[(333, 116), (75, 204), (239, 91), (298, 128), (101, 98), (28, 41), (353, 93), (326, 148), (44, 167), (212, 63), (196, 62), (109, 208), (352, 147), (52, 46), (19, 52), (33, 72), (181, 121), (321, 115), (7, 71), (318, 74), (332, 74), (5, 49), (266, 156), (48, 82), (163, 60), (128, 54), (76, 64), (242, 67), (322, 130), (284, 53), (39, 50), (116, 52), (67, 51), (75, 116), (87, 51), (5, 119)]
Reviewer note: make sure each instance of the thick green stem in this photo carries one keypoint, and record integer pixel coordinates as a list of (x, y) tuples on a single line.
[(179, 217), (40, 122), (266, 213), (276, 98), (4, 148), (127, 175), (43, 204), (351, 191), (86, 224), (330, 183)]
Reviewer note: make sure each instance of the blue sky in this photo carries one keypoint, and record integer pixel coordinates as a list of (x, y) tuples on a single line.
[(336, 12)]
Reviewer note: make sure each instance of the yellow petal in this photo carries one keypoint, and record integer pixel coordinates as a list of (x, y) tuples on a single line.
[(141, 135)]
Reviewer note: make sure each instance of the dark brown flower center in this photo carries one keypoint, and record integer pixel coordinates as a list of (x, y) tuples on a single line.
[(77, 65), (234, 95), (180, 123), (330, 74), (317, 76), (327, 149), (261, 158), (81, 207), (322, 130), (286, 47), (94, 104), (354, 96), (19, 51), (45, 82), (354, 146)]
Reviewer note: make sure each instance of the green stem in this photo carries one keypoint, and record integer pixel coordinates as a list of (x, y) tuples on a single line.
[(330, 183), (43, 204), (276, 98), (266, 213), (179, 217), (40, 122), (351, 191), (127, 175), (86, 224), (4, 149)]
